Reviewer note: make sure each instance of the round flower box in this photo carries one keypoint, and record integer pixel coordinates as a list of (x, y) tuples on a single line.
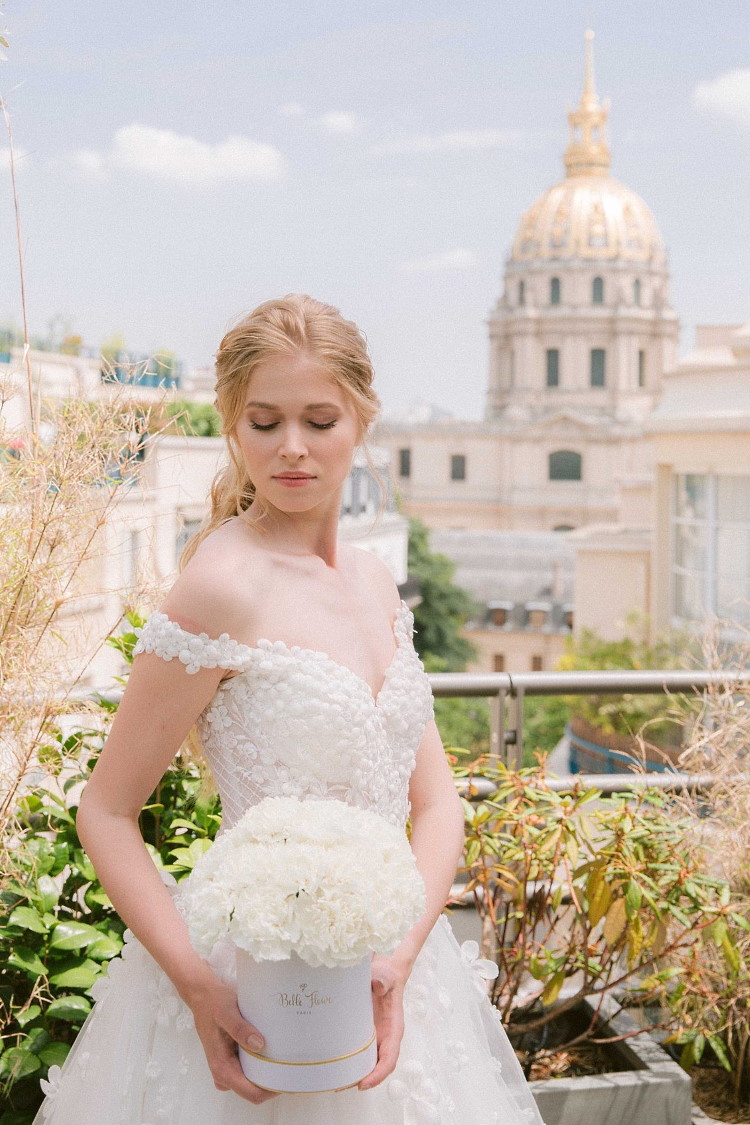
[(317, 1023)]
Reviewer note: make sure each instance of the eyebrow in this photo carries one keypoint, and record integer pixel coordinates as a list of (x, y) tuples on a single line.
[(310, 406)]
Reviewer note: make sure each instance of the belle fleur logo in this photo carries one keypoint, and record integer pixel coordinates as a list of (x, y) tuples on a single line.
[(304, 999)]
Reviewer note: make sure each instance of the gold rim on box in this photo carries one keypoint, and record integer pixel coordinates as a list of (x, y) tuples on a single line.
[(315, 1062)]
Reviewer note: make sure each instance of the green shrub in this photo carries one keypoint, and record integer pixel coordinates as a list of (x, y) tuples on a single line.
[(58, 928)]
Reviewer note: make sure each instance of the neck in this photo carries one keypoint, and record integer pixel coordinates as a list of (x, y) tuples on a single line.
[(306, 534)]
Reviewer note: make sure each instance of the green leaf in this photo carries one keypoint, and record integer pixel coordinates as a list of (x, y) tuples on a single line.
[(27, 919), (105, 948), (717, 1047), (81, 976), (49, 895), (31, 1013), (26, 959), (55, 1054), (73, 935), (17, 1063), (69, 1008), (552, 988)]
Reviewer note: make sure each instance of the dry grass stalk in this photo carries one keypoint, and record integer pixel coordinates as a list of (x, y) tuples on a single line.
[(56, 495)]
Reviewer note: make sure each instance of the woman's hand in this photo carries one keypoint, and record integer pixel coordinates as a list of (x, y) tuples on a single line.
[(221, 1028), (388, 982)]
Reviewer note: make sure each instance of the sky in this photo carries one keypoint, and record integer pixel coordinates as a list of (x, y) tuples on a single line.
[(179, 163)]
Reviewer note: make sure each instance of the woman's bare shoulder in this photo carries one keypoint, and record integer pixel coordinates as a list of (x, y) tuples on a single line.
[(376, 575), (222, 585)]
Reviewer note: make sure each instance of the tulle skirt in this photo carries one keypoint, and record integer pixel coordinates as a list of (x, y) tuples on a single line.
[(138, 1059)]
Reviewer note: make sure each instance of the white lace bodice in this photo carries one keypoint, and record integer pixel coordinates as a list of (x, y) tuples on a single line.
[(294, 722)]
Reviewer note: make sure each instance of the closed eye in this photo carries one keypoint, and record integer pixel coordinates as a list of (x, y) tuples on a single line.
[(315, 425)]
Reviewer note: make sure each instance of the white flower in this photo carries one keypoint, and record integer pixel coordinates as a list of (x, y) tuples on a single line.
[(483, 968), (51, 1084), (321, 878)]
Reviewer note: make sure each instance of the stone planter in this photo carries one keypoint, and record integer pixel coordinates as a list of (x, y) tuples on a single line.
[(645, 1087)]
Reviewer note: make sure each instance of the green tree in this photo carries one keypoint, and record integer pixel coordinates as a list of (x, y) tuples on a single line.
[(444, 607)]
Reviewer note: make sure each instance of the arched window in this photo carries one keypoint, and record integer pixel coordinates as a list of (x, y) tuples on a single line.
[(564, 464), (554, 291), (522, 292), (636, 292), (597, 291)]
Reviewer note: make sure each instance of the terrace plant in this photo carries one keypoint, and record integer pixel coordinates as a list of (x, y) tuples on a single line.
[(58, 929), (581, 896)]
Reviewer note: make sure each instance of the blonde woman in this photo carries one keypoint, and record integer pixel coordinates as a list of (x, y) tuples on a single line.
[(293, 655)]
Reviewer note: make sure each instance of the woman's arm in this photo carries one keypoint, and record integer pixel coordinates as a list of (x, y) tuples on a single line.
[(437, 840), (160, 705)]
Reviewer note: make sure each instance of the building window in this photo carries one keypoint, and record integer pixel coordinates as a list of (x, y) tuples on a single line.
[(597, 291), (711, 549), (554, 291), (404, 462), (553, 367), (636, 292), (499, 615), (498, 662), (522, 292), (458, 467), (568, 617), (598, 367), (537, 617), (564, 464), (641, 368), (537, 664)]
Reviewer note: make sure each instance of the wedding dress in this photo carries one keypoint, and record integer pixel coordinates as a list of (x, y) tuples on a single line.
[(294, 722)]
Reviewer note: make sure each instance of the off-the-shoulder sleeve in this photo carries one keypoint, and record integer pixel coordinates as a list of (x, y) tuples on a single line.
[(167, 639)]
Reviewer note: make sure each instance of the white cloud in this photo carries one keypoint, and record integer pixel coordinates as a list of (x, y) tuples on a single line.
[(340, 122), (728, 96), (459, 140), (291, 109), (161, 154), (457, 259)]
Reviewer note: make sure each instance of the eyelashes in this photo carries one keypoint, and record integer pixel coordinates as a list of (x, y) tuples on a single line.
[(272, 425)]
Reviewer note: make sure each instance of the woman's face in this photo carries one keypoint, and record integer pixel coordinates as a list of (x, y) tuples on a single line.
[(297, 432)]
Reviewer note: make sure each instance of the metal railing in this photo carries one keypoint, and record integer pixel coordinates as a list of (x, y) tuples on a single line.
[(507, 692)]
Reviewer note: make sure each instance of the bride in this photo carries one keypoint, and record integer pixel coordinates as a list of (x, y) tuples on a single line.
[(292, 653)]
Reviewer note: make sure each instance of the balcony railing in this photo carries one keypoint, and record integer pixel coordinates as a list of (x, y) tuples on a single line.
[(507, 693)]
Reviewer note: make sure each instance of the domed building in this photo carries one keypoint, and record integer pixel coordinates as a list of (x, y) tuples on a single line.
[(579, 341)]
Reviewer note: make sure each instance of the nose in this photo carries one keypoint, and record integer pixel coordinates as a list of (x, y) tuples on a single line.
[(292, 445)]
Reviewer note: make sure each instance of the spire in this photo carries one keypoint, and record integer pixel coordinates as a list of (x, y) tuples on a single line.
[(587, 153)]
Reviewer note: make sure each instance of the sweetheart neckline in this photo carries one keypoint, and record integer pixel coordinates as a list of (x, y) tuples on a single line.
[(296, 650)]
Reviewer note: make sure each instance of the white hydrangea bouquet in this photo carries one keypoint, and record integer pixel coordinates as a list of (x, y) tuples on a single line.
[(307, 891)]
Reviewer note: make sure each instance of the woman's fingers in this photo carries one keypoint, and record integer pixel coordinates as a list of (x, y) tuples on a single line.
[(389, 1026)]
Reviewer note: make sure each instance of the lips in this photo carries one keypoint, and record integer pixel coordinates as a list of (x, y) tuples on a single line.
[(294, 476)]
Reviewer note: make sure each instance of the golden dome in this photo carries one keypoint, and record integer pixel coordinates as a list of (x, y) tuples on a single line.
[(589, 214), (591, 217)]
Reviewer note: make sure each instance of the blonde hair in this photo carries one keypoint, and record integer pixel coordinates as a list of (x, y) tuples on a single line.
[(283, 326)]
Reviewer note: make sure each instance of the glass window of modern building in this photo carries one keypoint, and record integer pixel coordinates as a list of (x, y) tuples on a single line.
[(711, 549), (553, 367), (554, 291), (565, 464), (598, 367), (458, 467), (597, 291), (404, 462)]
